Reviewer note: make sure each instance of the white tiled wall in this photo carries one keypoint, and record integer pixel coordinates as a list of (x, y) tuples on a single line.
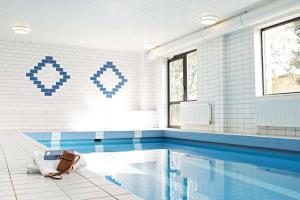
[(210, 81), (161, 92), (226, 79), (78, 104), (240, 82), (146, 84)]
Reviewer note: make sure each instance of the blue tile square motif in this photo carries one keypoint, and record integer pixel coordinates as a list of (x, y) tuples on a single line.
[(33, 72), (102, 88)]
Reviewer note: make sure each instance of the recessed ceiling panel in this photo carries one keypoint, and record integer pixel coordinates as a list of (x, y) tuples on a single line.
[(111, 24)]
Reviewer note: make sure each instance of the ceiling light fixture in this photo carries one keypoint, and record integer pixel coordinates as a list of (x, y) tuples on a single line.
[(149, 46), (208, 20), (21, 29)]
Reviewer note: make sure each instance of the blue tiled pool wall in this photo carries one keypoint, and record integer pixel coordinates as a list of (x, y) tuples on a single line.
[(124, 136), (242, 140), (243, 154), (91, 135)]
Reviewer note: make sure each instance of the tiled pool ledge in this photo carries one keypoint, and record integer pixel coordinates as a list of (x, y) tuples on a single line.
[(83, 135), (282, 143), (16, 184)]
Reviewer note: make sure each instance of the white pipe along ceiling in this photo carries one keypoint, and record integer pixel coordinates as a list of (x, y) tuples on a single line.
[(248, 18)]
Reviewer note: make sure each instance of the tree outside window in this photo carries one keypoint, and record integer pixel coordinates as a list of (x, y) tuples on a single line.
[(281, 57), (182, 84)]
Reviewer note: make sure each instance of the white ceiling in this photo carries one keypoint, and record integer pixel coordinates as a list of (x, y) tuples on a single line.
[(111, 24)]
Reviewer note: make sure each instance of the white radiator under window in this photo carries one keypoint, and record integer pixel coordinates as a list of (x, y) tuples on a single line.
[(195, 113), (278, 112)]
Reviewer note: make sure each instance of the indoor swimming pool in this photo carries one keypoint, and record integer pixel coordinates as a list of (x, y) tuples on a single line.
[(165, 168)]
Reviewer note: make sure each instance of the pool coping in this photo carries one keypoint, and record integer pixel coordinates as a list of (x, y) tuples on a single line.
[(260, 141), (116, 191), (268, 142)]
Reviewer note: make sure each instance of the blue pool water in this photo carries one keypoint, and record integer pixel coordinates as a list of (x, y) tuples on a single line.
[(169, 169)]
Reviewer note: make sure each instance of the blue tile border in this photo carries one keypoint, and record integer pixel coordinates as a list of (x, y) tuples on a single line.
[(102, 88), (77, 135), (118, 134), (221, 138), (48, 91), (40, 136), (241, 140)]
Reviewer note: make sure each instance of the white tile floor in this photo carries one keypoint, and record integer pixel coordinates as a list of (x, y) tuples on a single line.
[(15, 183)]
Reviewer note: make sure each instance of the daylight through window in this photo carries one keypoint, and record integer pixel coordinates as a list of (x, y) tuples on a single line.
[(281, 57), (182, 83)]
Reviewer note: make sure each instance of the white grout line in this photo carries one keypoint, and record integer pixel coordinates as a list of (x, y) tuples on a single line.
[(8, 170), (111, 195), (43, 148), (17, 136)]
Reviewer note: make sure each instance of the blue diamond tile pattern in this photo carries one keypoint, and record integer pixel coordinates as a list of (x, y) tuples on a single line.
[(102, 88), (33, 72)]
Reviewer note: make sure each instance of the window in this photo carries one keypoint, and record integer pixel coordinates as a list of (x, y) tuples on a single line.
[(281, 57), (182, 76)]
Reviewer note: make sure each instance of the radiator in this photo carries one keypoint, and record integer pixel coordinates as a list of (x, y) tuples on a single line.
[(278, 112), (195, 113)]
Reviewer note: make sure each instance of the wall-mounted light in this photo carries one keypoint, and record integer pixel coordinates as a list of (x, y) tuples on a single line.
[(208, 20), (21, 29)]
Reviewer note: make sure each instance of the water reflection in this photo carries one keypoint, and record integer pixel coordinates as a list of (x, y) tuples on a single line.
[(173, 175), (180, 170)]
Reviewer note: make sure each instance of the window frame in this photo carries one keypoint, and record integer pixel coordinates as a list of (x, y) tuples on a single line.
[(263, 55), (182, 56)]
